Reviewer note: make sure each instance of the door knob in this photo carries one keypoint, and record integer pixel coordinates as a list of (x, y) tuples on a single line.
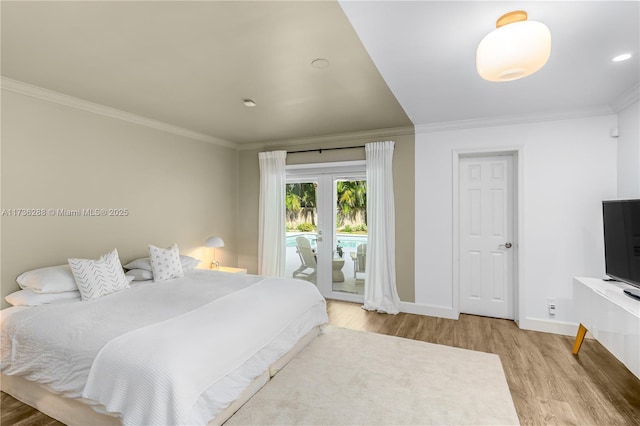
[(506, 245)]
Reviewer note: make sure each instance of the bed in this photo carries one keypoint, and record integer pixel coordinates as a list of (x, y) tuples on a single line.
[(188, 350)]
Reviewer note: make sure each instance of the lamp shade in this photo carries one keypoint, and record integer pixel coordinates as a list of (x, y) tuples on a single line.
[(515, 49), (214, 242)]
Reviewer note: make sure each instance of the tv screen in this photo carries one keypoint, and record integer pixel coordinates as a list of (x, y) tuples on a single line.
[(622, 240)]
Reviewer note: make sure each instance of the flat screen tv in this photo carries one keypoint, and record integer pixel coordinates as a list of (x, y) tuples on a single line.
[(621, 220)]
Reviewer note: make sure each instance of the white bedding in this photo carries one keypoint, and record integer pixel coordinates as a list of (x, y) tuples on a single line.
[(191, 343)]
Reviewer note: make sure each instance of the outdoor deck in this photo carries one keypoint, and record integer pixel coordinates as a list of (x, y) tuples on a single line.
[(349, 244)]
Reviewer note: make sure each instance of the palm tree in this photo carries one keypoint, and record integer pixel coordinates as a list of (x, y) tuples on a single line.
[(308, 201), (352, 197), (351, 200), (301, 199), (292, 201)]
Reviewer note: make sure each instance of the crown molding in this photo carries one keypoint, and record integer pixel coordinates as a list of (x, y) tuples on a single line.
[(37, 92), (626, 99), (508, 120), (339, 137)]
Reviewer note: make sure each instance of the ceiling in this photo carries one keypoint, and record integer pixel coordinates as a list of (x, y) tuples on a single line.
[(426, 52), (191, 64)]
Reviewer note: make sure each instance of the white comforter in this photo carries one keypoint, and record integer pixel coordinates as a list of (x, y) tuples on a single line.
[(153, 352)]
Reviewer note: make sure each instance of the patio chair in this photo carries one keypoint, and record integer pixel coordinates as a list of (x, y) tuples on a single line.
[(307, 270), (359, 259)]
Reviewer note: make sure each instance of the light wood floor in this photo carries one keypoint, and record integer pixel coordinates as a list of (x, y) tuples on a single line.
[(548, 384)]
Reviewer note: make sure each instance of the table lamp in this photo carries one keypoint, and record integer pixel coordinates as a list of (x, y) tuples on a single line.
[(214, 242)]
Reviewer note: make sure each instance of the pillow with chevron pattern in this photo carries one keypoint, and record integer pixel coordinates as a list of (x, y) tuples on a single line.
[(165, 263), (97, 278)]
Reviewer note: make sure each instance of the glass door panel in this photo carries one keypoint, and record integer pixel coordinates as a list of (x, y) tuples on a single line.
[(302, 230), (350, 235)]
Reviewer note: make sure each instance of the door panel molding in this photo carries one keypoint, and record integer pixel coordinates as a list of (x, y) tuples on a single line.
[(517, 153)]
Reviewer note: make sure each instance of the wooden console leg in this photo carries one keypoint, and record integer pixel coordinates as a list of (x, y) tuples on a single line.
[(582, 330)]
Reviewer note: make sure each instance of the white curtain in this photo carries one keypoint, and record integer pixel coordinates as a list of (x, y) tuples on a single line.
[(380, 292), (271, 239)]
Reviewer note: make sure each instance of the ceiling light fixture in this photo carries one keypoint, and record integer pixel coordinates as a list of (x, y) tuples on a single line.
[(517, 48), (622, 57), (320, 63), (249, 103)]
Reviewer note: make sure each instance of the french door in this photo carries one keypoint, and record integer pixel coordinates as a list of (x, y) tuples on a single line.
[(326, 227)]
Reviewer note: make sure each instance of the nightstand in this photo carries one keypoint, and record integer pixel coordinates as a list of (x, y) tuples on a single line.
[(231, 270)]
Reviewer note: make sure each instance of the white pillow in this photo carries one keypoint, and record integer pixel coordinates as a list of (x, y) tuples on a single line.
[(142, 263), (188, 263), (53, 279), (165, 263), (140, 274), (29, 297), (96, 278)]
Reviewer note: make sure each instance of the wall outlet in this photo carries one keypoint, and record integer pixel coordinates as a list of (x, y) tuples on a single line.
[(551, 307)]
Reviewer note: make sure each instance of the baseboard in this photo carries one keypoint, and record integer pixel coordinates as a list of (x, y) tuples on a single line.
[(429, 310), (549, 326), (534, 324)]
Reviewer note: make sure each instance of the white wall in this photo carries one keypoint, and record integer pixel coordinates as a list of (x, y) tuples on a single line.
[(569, 167), (629, 152)]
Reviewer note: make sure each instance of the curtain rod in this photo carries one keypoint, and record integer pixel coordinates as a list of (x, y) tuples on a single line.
[(319, 151)]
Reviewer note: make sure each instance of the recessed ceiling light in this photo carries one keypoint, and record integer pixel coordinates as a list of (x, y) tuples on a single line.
[(320, 63), (622, 57), (249, 103)]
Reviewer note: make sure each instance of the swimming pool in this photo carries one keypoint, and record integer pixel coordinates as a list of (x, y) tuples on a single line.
[(347, 241)]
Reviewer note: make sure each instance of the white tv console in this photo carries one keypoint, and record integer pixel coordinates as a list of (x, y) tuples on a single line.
[(612, 317)]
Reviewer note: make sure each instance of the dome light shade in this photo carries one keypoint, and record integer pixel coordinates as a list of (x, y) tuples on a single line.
[(517, 48), (214, 242)]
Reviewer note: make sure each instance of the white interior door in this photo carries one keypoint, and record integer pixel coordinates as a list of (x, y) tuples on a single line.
[(486, 214)]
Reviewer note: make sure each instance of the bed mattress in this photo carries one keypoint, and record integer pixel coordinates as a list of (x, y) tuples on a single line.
[(174, 352)]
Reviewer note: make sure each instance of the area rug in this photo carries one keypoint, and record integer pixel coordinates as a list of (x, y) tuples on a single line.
[(347, 377)]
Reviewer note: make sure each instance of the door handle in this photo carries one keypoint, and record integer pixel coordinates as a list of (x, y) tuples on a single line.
[(506, 245)]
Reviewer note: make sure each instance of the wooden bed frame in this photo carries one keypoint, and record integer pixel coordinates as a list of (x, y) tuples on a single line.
[(74, 412)]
